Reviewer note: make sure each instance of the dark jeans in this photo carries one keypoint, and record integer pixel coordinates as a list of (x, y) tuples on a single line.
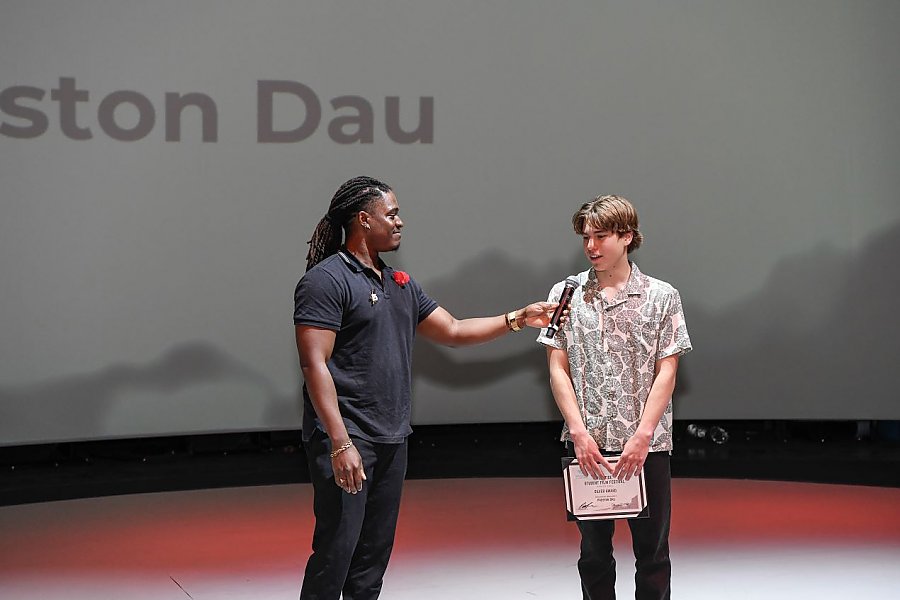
[(354, 533), (650, 541)]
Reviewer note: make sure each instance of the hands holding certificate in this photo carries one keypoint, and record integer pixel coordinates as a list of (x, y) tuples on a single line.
[(594, 464), (589, 499)]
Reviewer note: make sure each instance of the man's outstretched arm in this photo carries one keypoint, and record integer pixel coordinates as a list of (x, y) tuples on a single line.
[(443, 328)]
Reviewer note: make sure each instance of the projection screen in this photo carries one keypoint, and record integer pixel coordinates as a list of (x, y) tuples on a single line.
[(164, 163)]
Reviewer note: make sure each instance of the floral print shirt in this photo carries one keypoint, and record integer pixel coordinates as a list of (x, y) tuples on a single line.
[(613, 347)]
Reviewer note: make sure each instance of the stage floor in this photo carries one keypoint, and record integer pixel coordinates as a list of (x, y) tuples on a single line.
[(457, 540)]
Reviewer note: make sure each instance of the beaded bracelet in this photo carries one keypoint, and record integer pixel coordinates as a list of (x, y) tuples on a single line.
[(343, 448)]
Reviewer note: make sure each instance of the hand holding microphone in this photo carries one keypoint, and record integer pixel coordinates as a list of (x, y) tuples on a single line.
[(564, 299)]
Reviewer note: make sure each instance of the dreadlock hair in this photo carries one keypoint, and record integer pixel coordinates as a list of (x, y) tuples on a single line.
[(353, 196)]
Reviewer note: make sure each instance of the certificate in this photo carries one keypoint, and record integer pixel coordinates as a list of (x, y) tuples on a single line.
[(605, 498)]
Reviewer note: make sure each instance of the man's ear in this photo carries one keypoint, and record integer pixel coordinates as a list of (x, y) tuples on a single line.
[(362, 217)]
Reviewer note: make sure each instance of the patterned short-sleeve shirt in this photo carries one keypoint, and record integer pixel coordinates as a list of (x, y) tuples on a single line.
[(613, 347)]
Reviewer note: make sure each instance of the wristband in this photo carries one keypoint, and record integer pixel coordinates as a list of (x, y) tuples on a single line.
[(512, 321)]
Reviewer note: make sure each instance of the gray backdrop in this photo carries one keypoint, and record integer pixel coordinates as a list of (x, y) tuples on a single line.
[(147, 284)]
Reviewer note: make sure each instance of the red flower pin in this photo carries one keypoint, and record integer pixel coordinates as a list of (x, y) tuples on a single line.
[(401, 278)]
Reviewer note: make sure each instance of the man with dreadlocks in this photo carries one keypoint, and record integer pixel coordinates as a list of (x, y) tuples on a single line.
[(356, 319)]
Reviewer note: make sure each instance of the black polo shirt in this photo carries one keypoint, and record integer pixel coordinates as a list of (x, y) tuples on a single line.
[(371, 361)]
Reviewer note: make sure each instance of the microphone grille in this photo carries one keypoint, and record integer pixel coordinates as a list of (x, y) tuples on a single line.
[(572, 282)]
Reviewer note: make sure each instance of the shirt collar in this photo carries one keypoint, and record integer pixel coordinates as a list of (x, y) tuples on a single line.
[(637, 282), (357, 267)]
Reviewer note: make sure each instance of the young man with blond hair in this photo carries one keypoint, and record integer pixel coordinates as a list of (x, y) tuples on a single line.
[(612, 373)]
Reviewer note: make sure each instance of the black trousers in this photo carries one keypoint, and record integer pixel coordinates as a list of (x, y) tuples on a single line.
[(354, 533), (650, 541)]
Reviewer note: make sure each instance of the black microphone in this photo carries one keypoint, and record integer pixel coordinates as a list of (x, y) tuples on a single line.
[(564, 299)]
